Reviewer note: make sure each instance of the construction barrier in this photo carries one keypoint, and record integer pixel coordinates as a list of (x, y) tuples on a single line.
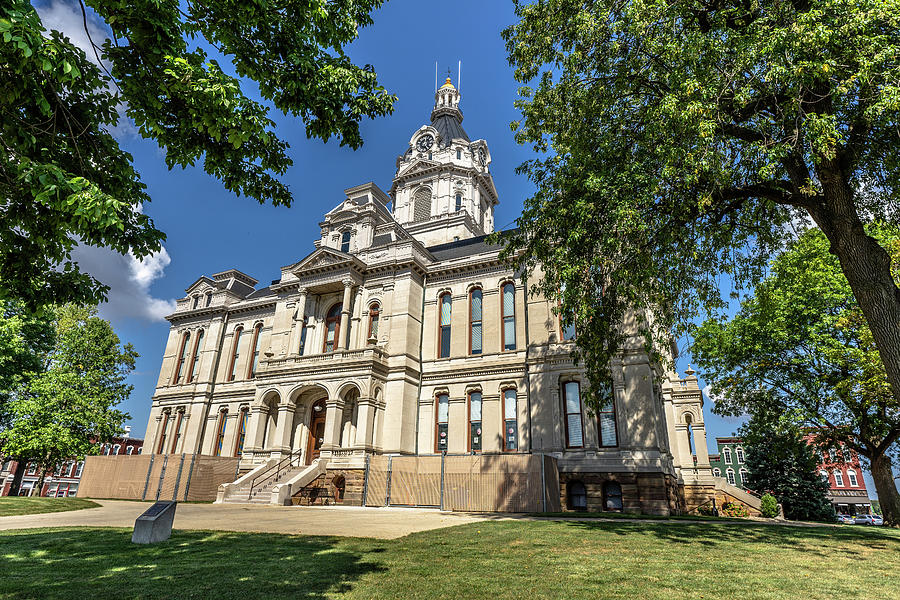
[(184, 477), (472, 483)]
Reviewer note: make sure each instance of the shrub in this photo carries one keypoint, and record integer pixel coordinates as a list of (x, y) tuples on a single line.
[(769, 508), (734, 509), (706, 510)]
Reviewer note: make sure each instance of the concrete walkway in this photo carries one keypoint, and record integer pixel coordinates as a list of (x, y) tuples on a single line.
[(384, 523)]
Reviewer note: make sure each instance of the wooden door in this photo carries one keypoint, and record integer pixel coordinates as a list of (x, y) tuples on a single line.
[(316, 431)]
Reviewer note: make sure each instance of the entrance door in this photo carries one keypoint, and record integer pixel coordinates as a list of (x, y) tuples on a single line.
[(316, 431)]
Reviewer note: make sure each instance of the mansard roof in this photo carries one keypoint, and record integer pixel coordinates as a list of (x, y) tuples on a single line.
[(449, 128)]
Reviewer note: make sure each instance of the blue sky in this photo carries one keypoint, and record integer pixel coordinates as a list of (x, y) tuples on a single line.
[(210, 230)]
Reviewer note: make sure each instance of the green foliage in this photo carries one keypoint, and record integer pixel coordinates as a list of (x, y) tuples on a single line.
[(677, 142), (734, 509), (781, 463), (769, 506), (62, 411), (801, 344), (63, 177), (25, 340)]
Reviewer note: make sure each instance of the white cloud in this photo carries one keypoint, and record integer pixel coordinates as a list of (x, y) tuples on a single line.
[(129, 280)]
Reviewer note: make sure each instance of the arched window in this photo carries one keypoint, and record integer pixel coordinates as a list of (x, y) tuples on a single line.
[(115, 449), (574, 424), (242, 430), (458, 154), (179, 364), (194, 367), (739, 452), (161, 446), (851, 475), (129, 451), (612, 496), (444, 306), (176, 435), (254, 359), (475, 324), (79, 468), (475, 421), (743, 475), (303, 329), (509, 316), (726, 454), (345, 241), (510, 421), (458, 202), (576, 496), (374, 314), (717, 472), (332, 328), (688, 420), (235, 352), (196, 302), (208, 298), (729, 475), (442, 422), (422, 205), (838, 478), (606, 421), (220, 431)]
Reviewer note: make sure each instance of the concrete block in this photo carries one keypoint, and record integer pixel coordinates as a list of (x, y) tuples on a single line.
[(155, 525)]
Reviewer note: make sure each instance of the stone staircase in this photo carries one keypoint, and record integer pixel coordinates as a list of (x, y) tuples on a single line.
[(261, 491)]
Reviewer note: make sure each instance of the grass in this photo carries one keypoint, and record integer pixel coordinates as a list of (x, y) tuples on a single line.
[(24, 505), (499, 559), (618, 515)]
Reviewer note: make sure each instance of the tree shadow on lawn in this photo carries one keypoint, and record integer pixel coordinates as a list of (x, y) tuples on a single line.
[(823, 541), (103, 563)]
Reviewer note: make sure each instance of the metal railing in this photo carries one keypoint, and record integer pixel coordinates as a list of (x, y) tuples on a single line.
[(275, 471)]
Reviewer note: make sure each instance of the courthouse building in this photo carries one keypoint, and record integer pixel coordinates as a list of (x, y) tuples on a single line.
[(403, 333)]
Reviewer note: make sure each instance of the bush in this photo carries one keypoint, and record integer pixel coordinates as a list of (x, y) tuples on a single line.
[(734, 509), (769, 508), (706, 510)]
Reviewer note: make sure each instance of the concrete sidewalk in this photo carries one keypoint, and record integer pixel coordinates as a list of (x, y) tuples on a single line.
[(384, 523)]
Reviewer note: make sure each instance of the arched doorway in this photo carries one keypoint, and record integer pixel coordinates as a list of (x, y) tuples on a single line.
[(316, 431)]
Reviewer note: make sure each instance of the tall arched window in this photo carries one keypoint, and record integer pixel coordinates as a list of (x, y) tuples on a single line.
[(574, 424), (194, 367), (422, 205), (743, 475), (208, 298), (179, 364), (729, 475), (458, 202), (612, 496), (254, 358), (717, 472), (130, 450), (163, 431), (242, 430), (510, 421), (196, 302), (739, 452), (115, 449), (475, 324), (176, 435), (345, 241), (220, 431), (303, 330), (374, 314), (851, 475), (475, 432), (606, 420), (838, 478), (726, 454), (235, 352), (442, 422), (509, 316), (332, 327), (444, 306)]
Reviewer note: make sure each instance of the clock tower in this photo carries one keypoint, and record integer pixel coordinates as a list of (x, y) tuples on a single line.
[(443, 190)]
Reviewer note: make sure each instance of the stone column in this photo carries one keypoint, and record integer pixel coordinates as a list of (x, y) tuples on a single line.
[(260, 415), (294, 341), (699, 430), (365, 423), (334, 420), (285, 427), (345, 315)]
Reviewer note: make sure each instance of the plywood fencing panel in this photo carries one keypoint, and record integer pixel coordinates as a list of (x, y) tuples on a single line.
[(376, 484), (208, 474), (121, 477), (415, 481)]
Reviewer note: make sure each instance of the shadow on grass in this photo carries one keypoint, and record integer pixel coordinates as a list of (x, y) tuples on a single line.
[(198, 564), (822, 541)]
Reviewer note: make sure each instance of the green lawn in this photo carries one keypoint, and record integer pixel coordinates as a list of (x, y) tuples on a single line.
[(24, 505), (496, 559)]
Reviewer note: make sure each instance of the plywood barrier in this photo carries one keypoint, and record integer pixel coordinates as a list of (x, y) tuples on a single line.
[(475, 483), (185, 477)]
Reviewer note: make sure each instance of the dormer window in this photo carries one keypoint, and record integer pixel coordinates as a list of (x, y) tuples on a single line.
[(196, 302), (345, 241), (458, 154)]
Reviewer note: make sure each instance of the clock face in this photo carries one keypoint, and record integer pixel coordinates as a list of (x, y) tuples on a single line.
[(482, 156), (425, 142)]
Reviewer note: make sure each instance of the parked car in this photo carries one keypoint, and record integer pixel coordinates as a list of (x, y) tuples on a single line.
[(869, 520), (846, 519)]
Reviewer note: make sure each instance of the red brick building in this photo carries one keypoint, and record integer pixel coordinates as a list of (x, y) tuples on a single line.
[(847, 488), (64, 479)]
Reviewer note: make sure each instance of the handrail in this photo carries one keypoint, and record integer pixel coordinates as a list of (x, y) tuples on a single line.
[(277, 467)]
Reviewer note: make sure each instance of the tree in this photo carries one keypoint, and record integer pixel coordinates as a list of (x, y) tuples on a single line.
[(68, 408), (800, 343), (65, 180), (678, 142), (780, 462), (25, 340)]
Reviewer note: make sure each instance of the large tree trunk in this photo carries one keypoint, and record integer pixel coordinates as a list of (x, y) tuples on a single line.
[(888, 496)]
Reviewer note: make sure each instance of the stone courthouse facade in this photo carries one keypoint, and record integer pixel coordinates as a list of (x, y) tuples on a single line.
[(403, 333)]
